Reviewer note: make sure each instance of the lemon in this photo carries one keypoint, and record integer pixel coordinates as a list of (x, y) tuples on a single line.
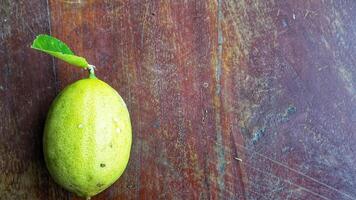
[(87, 137)]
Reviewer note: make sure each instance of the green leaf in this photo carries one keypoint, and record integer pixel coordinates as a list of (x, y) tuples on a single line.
[(58, 49)]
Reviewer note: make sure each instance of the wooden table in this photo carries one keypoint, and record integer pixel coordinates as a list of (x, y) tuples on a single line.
[(229, 99)]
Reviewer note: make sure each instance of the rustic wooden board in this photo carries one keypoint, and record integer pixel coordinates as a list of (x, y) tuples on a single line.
[(228, 99), (27, 88)]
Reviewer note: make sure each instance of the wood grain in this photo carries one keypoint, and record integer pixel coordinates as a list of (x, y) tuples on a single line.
[(228, 99), (26, 91)]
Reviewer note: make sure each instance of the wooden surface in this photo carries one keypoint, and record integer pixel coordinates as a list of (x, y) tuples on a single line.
[(228, 99)]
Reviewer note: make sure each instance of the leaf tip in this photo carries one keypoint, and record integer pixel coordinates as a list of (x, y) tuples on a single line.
[(58, 49)]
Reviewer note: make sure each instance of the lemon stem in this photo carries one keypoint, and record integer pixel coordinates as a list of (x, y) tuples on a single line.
[(91, 69)]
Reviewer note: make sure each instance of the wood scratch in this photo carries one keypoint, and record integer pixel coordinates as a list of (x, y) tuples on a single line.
[(73, 2), (291, 169), (287, 181), (239, 159), (298, 172), (310, 13), (260, 195), (29, 28), (306, 14)]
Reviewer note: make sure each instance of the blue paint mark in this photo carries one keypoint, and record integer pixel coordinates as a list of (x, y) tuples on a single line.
[(291, 110), (284, 117), (285, 23), (257, 135)]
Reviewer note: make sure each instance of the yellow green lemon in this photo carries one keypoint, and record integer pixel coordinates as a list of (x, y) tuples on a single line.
[(87, 137)]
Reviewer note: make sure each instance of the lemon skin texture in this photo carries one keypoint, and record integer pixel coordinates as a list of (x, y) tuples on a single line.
[(87, 137)]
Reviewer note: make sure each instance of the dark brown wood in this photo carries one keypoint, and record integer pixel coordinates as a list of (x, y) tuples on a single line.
[(27, 87), (228, 99)]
